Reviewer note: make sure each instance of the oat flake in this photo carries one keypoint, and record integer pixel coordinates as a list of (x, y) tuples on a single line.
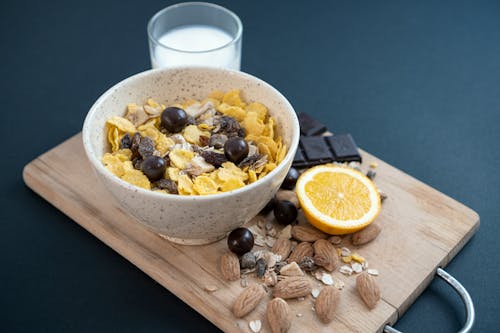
[(372, 271)]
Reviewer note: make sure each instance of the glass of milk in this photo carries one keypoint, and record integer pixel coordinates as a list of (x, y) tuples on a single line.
[(195, 33)]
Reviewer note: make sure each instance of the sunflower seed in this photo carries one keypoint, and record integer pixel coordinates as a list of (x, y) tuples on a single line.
[(345, 252), (345, 270), (255, 325), (327, 279), (356, 267)]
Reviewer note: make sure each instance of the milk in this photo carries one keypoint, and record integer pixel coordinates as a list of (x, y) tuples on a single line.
[(196, 41)]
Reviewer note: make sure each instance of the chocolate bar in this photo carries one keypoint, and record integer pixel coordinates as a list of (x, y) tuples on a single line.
[(315, 150)]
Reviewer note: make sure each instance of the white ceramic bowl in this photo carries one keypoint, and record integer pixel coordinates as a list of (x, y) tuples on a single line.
[(189, 219)]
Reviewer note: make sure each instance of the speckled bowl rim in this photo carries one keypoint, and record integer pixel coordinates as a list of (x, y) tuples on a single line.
[(86, 132)]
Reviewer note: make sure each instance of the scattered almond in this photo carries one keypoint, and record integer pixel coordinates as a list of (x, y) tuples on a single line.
[(248, 300), (292, 287), (366, 235), (325, 255), (307, 234), (368, 289), (282, 247), (327, 303), (230, 266), (302, 250), (279, 315)]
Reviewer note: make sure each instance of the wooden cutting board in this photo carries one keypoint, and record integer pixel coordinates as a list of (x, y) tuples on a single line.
[(422, 229)]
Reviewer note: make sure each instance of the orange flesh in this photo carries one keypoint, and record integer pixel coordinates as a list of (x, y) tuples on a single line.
[(341, 197)]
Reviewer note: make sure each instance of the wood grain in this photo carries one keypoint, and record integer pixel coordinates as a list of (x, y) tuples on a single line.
[(422, 229)]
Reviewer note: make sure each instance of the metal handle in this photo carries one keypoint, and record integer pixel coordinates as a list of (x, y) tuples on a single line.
[(464, 295)]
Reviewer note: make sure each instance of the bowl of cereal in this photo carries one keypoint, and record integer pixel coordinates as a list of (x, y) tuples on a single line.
[(191, 152)]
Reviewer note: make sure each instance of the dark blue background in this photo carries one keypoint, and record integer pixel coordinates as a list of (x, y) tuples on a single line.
[(417, 84)]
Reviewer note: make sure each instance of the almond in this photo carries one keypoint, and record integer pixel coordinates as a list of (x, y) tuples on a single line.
[(302, 250), (366, 235), (325, 255), (282, 247), (368, 289), (248, 300), (327, 303), (292, 287), (307, 234), (230, 266), (279, 315)]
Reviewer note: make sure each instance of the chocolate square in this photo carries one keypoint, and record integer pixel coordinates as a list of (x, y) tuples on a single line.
[(310, 126), (316, 149), (344, 148)]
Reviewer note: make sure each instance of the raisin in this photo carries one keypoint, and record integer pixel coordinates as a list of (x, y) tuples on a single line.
[(134, 146), (248, 260), (146, 147), (167, 184), (167, 160), (229, 125), (261, 266), (216, 159), (307, 264), (242, 132), (126, 142), (204, 140)]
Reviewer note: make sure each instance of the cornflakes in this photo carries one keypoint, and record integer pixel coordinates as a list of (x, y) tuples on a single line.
[(193, 161)]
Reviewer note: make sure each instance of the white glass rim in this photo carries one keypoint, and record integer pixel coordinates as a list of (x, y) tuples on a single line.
[(235, 17)]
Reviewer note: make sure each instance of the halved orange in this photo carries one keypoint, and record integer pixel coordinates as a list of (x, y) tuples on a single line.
[(336, 199)]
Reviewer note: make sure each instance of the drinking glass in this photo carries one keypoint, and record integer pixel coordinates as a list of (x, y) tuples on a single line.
[(195, 33)]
